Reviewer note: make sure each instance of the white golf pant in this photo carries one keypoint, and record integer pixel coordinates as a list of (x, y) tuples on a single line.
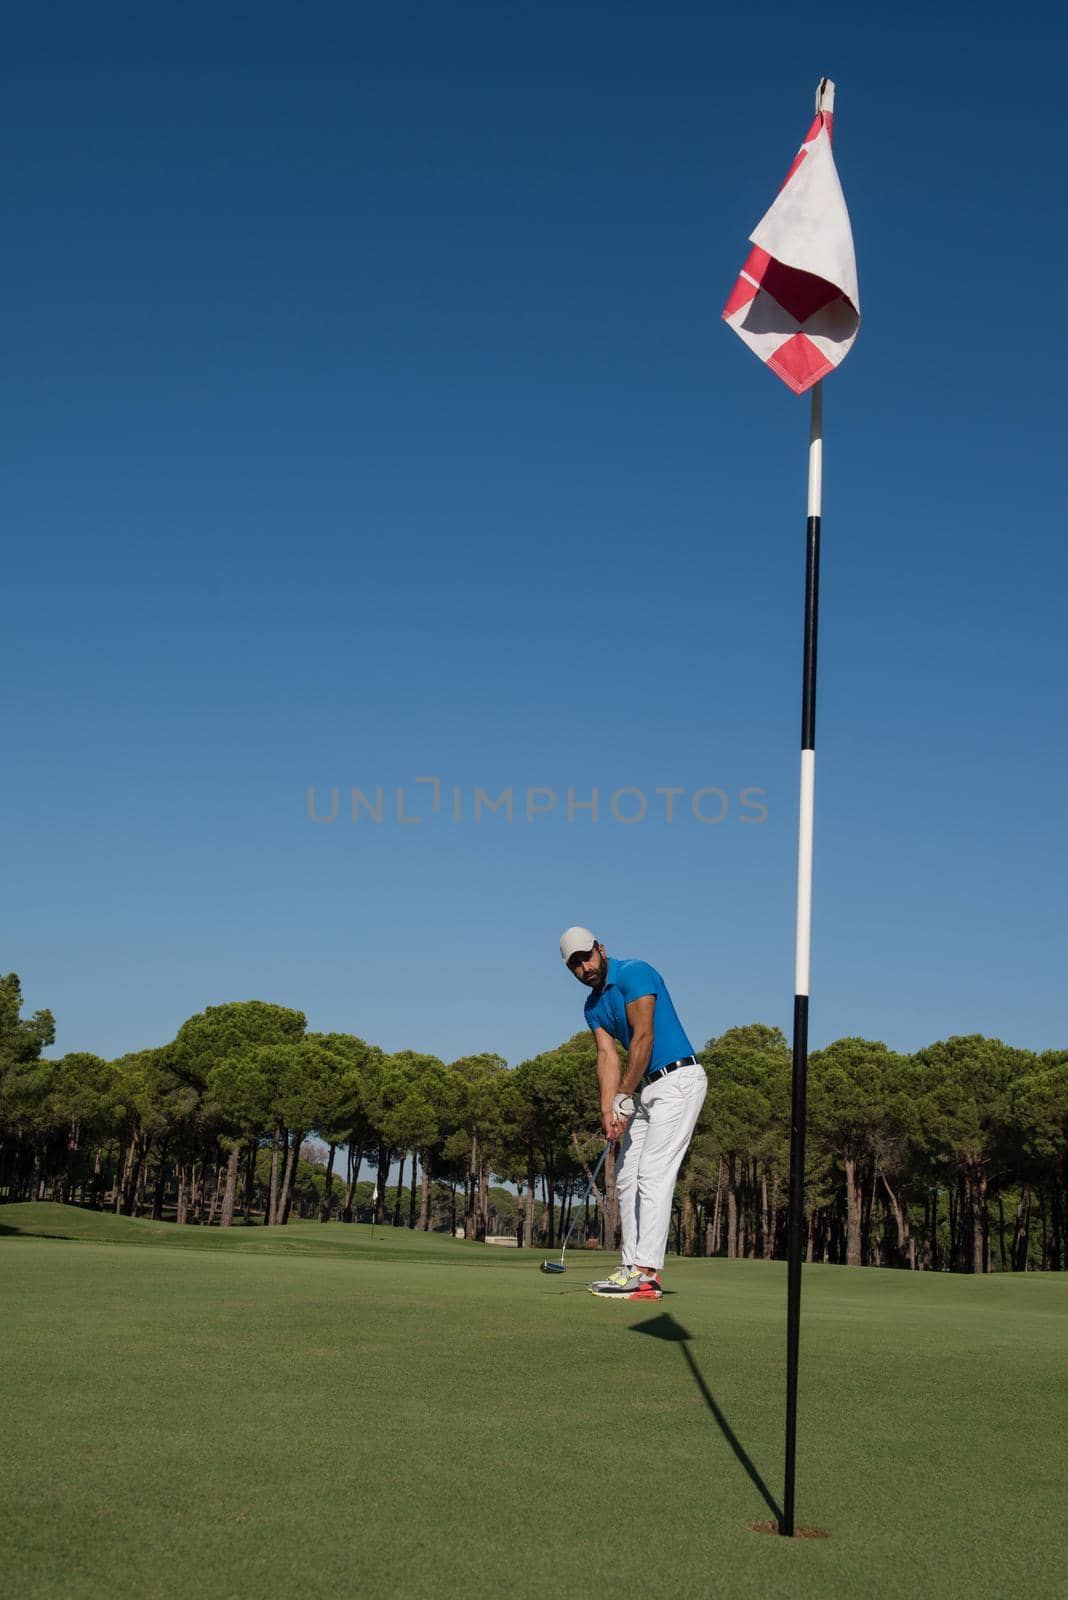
[(649, 1160)]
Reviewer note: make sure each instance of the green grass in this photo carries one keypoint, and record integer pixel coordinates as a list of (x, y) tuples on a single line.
[(296, 1238), (280, 1411)]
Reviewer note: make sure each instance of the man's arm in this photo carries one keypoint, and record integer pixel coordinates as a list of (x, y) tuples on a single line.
[(608, 1076), (640, 1016)]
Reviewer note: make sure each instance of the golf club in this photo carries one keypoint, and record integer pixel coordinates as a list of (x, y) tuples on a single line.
[(558, 1266)]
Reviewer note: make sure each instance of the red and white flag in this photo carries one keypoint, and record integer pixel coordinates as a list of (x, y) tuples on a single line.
[(796, 303)]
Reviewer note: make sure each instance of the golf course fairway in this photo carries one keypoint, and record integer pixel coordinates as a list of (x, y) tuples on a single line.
[(310, 1411)]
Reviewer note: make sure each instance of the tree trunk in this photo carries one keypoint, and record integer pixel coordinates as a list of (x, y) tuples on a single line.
[(62, 1186), (161, 1184), (1042, 1224), (328, 1191), (565, 1212), (901, 1224), (131, 1173), (270, 1215), (196, 1197), (250, 1182), (910, 1241), (379, 1215), (97, 1198), (470, 1223), (717, 1210), (982, 1194), (835, 1234), (139, 1186), (964, 1224), (183, 1194), (528, 1200), (213, 1205), (973, 1223), (355, 1163), (767, 1233), (935, 1263), (853, 1209), (732, 1218), (687, 1224), (550, 1206), (346, 1204), (138, 1152), (400, 1189), (1056, 1226), (869, 1243), (123, 1170), (482, 1227), (230, 1193), (424, 1195), (1021, 1230), (411, 1192), (611, 1200), (292, 1157)]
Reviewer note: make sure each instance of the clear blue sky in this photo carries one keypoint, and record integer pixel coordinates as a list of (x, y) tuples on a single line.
[(368, 416)]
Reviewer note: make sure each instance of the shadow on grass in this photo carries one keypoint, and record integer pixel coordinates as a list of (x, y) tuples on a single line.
[(27, 1233), (665, 1327)]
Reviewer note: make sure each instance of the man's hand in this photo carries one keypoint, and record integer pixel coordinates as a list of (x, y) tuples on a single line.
[(613, 1126), (616, 1117)]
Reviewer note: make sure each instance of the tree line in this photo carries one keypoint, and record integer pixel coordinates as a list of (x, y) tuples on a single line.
[(954, 1158)]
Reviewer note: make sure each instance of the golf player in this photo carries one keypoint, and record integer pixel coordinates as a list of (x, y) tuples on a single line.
[(653, 1105)]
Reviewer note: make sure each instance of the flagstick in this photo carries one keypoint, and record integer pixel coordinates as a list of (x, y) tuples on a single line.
[(801, 965)]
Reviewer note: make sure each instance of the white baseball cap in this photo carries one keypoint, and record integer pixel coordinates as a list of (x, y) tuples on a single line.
[(576, 939)]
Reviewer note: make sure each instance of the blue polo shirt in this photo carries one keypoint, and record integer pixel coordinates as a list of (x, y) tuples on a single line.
[(607, 1008)]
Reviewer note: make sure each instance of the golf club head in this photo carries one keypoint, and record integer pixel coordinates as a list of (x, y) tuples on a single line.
[(553, 1266)]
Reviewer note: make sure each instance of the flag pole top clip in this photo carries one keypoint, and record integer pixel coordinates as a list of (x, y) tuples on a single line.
[(825, 96)]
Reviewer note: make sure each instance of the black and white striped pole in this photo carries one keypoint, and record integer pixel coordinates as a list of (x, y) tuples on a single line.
[(796, 1229)]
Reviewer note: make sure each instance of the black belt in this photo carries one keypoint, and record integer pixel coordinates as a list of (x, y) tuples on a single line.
[(672, 1066)]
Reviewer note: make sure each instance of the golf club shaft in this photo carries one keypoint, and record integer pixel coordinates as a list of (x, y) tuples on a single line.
[(593, 1179)]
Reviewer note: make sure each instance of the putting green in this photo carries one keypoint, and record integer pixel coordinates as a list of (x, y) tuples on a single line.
[(304, 1409)]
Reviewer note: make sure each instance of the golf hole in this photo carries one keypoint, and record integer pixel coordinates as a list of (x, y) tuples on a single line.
[(799, 1532)]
